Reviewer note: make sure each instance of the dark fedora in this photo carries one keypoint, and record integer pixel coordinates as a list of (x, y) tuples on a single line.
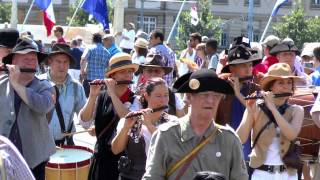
[(284, 46), (200, 81), (61, 48), (8, 37), (154, 60), (241, 54), (25, 46)]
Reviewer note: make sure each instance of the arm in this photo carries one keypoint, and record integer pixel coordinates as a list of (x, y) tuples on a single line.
[(245, 126), (238, 170), (236, 87), (120, 141)]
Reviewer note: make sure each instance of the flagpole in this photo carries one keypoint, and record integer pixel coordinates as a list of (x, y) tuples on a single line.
[(265, 29), (176, 21), (73, 16), (27, 15)]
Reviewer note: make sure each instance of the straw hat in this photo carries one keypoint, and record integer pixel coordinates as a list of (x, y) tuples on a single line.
[(119, 62), (141, 43), (277, 71)]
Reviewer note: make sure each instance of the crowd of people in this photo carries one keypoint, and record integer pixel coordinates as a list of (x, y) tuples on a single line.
[(202, 115)]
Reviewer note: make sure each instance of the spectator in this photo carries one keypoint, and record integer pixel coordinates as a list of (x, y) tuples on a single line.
[(211, 51), (109, 43), (76, 53), (127, 38), (58, 33)]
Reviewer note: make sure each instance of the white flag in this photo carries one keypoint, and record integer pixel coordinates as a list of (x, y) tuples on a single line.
[(194, 16)]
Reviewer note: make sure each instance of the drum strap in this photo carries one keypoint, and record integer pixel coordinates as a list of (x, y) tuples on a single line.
[(108, 126), (59, 112)]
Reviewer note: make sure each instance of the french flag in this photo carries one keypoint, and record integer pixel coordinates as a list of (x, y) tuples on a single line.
[(48, 15)]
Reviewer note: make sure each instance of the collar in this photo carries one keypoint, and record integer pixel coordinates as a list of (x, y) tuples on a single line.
[(187, 132), (126, 96)]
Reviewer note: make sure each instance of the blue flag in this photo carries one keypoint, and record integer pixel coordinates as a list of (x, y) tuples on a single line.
[(277, 6), (98, 9)]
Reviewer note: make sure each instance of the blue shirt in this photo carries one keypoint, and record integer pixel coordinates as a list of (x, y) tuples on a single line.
[(72, 98), (114, 49), (76, 53), (97, 57), (315, 77)]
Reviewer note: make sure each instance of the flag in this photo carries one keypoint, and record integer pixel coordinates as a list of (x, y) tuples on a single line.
[(194, 16), (98, 9), (48, 15), (277, 6)]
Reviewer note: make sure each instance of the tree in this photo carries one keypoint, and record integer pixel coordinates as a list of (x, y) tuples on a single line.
[(207, 26), (82, 17), (298, 27), (5, 12)]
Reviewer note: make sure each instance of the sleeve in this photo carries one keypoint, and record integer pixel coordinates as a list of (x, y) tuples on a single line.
[(41, 101), (86, 54), (213, 62), (238, 169), (120, 124), (155, 165)]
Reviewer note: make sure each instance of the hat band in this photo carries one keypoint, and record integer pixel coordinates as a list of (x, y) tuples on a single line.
[(120, 63)]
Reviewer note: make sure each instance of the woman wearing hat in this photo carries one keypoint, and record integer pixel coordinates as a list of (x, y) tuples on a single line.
[(136, 144), (273, 142), (139, 55), (106, 108)]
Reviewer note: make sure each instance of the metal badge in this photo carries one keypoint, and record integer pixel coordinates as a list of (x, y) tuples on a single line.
[(218, 154), (194, 84)]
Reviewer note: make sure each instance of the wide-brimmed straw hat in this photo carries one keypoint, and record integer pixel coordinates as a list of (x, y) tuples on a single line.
[(141, 43), (24, 46), (275, 72), (241, 54), (156, 61), (200, 81), (284, 46), (62, 49), (119, 62)]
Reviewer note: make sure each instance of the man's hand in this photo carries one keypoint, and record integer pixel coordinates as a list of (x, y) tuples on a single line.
[(95, 89), (111, 86), (14, 74)]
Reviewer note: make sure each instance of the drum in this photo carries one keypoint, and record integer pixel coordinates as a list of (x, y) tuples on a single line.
[(69, 163), (309, 135)]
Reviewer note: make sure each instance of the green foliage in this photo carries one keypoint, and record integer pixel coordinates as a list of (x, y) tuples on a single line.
[(207, 26), (5, 12), (82, 18), (298, 27)]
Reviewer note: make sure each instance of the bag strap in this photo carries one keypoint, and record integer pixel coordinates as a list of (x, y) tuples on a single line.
[(268, 113), (186, 160), (59, 112)]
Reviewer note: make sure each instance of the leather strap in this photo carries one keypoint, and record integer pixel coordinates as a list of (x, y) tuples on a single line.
[(186, 160), (59, 112)]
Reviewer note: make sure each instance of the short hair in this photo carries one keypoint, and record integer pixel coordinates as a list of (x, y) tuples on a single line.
[(74, 42), (197, 36), (59, 28), (212, 43), (316, 53), (97, 38), (157, 33)]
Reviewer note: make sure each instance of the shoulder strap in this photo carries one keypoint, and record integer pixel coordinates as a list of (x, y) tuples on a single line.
[(59, 112), (107, 127), (186, 160)]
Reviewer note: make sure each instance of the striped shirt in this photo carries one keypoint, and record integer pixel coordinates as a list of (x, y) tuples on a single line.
[(97, 57)]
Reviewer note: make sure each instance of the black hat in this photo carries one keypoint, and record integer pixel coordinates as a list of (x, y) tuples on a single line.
[(284, 46), (240, 54), (8, 37), (24, 46), (61, 48), (241, 40), (200, 81), (154, 60)]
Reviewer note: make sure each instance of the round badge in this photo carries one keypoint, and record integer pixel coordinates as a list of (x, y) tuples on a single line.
[(218, 154), (194, 84)]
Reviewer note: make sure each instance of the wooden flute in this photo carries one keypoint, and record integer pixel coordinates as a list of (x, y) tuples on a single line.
[(117, 83), (275, 96)]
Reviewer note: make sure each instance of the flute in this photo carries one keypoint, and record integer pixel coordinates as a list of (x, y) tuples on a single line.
[(117, 83), (275, 96), (27, 70), (245, 78), (136, 128)]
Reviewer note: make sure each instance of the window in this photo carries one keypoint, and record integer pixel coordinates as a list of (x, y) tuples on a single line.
[(255, 2), (149, 23), (223, 41), (315, 2), (219, 1)]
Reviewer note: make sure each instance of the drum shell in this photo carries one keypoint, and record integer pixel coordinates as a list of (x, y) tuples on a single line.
[(69, 171), (309, 132)]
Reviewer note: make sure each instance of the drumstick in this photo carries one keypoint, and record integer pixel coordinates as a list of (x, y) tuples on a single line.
[(60, 148), (78, 132)]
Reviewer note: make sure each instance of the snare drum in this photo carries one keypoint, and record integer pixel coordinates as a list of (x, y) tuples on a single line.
[(309, 135), (69, 163)]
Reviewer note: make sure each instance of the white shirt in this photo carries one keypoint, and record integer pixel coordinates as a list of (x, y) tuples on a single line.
[(127, 44), (183, 67)]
